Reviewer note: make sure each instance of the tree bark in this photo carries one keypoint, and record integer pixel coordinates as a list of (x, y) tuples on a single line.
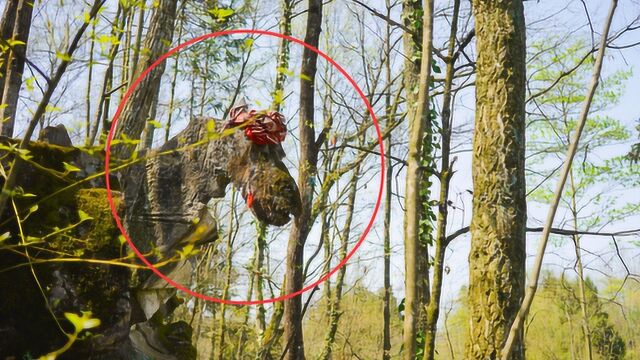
[(283, 55), (386, 306), (515, 331), (107, 81), (440, 241), (307, 172), (6, 31), (335, 313), (416, 281), (15, 66), (157, 42), (18, 163), (498, 224)]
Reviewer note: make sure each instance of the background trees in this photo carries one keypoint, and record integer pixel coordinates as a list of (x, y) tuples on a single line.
[(589, 291)]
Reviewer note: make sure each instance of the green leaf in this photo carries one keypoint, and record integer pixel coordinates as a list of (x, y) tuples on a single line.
[(305, 77), (70, 168), (29, 83), (155, 123), (187, 250), (285, 71), (83, 216), (82, 322), (211, 126), (63, 56), (13, 42), (4, 237), (221, 14)]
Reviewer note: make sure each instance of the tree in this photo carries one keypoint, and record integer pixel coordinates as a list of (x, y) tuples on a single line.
[(416, 278), (589, 205), (516, 328), (133, 117), (309, 147), (16, 45), (497, 255)]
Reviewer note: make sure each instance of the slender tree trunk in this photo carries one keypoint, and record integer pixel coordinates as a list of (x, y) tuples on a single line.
[(433, 309), (327, 244), (581, 282), (283, 54), (516, 328), (18, 163), (242, 338), (335, 314), (307, 172), (174, 76), (261, 243), (87, 99), (126, 61), (138, 44), (15, 66), (273, 332), (498, 223), (386, 307), (151, 129), (227, 279), (6, 32), (418, 112), (157, 42), (107, 82), (269, 334)]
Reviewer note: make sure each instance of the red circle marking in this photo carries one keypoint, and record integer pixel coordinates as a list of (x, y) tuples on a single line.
[(191, 42)]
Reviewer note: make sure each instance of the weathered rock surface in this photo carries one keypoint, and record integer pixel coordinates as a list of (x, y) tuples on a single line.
[(162, 202)]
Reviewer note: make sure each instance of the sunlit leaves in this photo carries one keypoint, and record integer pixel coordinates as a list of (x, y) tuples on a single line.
[(83, 322), (155, 123), (221, 14), (68, 168), (63, 56), (187, 251), (83, 216)]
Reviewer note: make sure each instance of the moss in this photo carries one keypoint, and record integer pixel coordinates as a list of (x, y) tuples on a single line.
[(100, 231)]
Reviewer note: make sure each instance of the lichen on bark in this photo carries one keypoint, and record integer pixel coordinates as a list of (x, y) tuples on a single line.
[(497, 256)]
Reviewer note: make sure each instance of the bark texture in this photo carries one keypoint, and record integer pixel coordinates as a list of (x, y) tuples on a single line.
[(160, 34), (15, 65), (497, 256), (308, 168), (415, 250)]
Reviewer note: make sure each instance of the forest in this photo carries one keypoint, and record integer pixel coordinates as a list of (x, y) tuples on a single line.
[(320, 179)]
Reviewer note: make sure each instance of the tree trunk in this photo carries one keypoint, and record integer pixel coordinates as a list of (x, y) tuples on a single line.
[(87, 97), (157, 42), (416, 276), (386, 307), (440, 241), (515, 332), (227, 278), (580, 270), (334, 316), (15, 65), (308, 162), (497, 256), (18, 163), (6, 32), (283, 55), (107, 82)]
